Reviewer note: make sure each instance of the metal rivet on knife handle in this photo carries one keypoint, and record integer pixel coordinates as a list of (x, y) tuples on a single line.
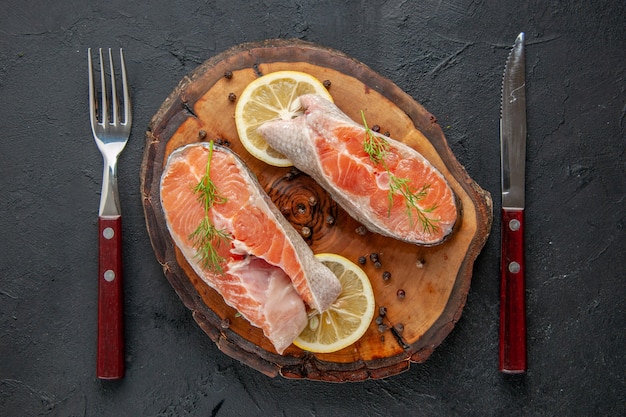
[(514, 225)]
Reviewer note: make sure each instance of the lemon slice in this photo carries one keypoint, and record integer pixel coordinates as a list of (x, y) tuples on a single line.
[(270, 97), (348, 317)]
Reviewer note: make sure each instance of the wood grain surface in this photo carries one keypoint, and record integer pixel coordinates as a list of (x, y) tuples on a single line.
[(435, 280)]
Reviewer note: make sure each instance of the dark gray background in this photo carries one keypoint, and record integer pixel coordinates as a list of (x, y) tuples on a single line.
[(448, 55)]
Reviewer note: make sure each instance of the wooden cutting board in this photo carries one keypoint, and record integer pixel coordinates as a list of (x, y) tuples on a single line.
[(435, 280)]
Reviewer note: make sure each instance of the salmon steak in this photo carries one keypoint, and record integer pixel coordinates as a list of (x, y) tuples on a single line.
[(389, 187), (264, 269)]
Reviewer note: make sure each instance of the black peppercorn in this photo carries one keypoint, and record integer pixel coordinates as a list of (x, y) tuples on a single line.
[(362, 260), (401, 294), (326, 83), (293, 172), (232, 97), (386, 275), (228, 75), (222, 142)]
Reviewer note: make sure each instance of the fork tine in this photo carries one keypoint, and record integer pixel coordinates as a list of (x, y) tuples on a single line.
[(114, 103), (127, 109), (104, 110), (92, 93)]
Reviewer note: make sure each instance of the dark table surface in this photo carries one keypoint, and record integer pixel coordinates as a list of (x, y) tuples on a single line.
[(449, 56)]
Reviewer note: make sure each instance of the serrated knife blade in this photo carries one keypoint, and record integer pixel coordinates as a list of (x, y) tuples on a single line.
[(512, 352)]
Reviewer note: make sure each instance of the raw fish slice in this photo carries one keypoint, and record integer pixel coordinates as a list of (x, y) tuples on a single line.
[(328, 145), (268, 269)]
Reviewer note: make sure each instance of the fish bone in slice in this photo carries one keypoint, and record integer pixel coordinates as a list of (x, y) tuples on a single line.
[(329, 146), (269, 271)]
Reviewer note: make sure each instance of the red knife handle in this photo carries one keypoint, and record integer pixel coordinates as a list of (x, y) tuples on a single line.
[(512, 294), (110, 355)]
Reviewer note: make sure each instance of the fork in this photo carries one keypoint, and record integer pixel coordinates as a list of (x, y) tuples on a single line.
[(111, 135)]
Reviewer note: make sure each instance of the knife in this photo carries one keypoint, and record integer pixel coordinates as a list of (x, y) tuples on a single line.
[(512, 352)]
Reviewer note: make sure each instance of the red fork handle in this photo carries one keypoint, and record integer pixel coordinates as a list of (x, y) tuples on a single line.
[(512, 294), (110, 355)]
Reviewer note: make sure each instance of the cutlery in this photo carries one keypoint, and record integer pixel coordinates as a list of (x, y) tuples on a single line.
[(111, 135), (512, 352)]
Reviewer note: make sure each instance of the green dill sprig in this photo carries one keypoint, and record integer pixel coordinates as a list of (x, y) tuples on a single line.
[(377, 148), (401, 186), (207, 238)]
